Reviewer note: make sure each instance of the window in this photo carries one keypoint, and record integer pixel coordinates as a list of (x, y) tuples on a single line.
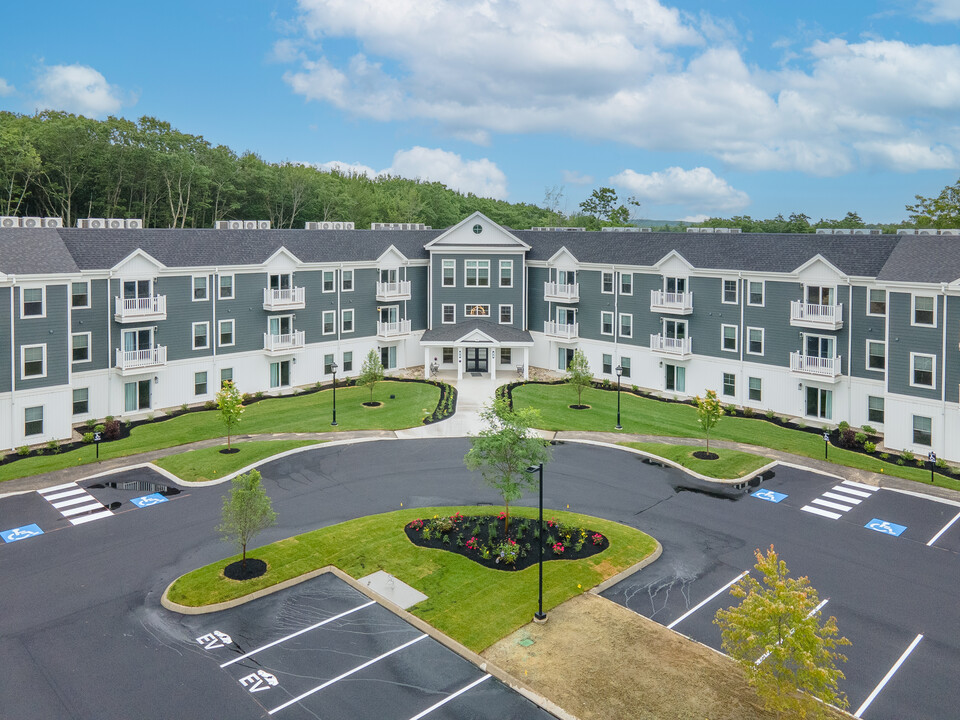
[(674, 285), (448, 356), (346, 321), (31, 302), (200, 332), (875, 409), (626, 325), (922, 368), (924, 310), (755, 341), (328, 364), (626, 283), (819, 403), (81, 401), (506, 314), (877, 302), (506, 273), (729, 385), (625, 366), (33, 421), (755, 296), (80, 295), (225, 330), (449, 313), (755, 389), (876, 355), (922, 432), (388, 357), (820, 295), (730, 291), (200, 287), (606, 323), (729, 337), (280, 374), (675, 378), (606, 283), (476, 310), (33, 361), (476, 273), (136, 395), (506, 356), (200, 383), (329, 322), (449, 273), (80, 347), (281, 281), (348, 362), (329, 278), (607, 364), (225, 375), (346, 280), (225, 287)]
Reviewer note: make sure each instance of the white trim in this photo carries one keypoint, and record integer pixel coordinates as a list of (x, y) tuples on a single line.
[(886, 300), (763, 293), (505, 263), (620, 285), (612, 321), (193, 288), (43, 359), (444, 264), (233, 286), (747, 349), (500, 314), (353, 280), (723, 294), (468, 314), (89, 347), (480, 264), (80, 307), (43, 301), (443, 307), (613, 282), (933, 370), (323, 281), (870, 342), (620, 325), (233, 332), (913, 310), (333, 322), (353, 321), (736, 338), (193, 335)]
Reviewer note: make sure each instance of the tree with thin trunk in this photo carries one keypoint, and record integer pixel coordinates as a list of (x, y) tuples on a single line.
[(372, 372), (246, 512), (709, 412), (579, 374), (230, 405)]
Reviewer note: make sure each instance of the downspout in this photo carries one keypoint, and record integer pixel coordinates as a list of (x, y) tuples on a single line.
[(110, 353), (430, 292), (850, 346), (741, 287), (943, 368), (616, 317), (13, 364)]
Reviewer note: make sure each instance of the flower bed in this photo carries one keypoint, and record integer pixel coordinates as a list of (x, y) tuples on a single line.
[(482, 538)]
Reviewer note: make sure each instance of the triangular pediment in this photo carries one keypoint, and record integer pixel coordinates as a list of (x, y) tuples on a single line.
[(477, 231), (477, 336), (819, 269), (673, 263), (563, 259), (139, 263), (392, 258), (282, 261)]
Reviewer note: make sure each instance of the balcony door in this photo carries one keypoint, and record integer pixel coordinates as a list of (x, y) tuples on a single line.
[(390, 314), (675, 285), (675, 329), (566, 277), (819, 403), (136, 340), (564, 358), (281, 281), (818, 346), (675, 378), (136, 289), (566, 316), (136, 395), (388, 276), (281, 325), (820, 295)]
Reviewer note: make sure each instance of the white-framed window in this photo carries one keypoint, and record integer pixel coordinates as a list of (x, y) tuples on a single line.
[(728, 337), (819, 403), (674, 285), (346, 321), (329, 281), (476, 311), (876, 302), (820, 295), (33, 361), (923, 370), (506, 314), (626, 325), (280, 281), (755, 293), (201, 335), (80, 294), (675, 378), (447, 355), (226, 332), (755, 389), (754, 341), (225, 287), (280, 374), (924, 311), (731, 292), (729, 385), (81, 401), (606, 282), (329, 322), (876, 355), (328, 364), (225, 375), (346, 281), (33, 420), (875, 409), (201, 290), (80, 347), (922, 430), (626, 283), (200, 383), (606, 323), (506, 273), (625, 366), (449, 314), (33, 302), (607, 364), (506, 356), (449, 273), (476, 273), (348, 361)]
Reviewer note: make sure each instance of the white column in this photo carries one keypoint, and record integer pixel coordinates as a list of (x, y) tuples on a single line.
[(426, 363), (526, 363), (493, 363), (459, 363)]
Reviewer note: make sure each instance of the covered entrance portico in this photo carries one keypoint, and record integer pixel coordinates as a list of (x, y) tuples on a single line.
[(477, 347)]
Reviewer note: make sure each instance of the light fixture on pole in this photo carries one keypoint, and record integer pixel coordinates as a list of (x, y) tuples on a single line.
[(540, 615), (619, 373), (333, 368)]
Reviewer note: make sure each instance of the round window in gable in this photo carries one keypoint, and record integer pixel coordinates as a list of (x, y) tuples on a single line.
[(477, 229)]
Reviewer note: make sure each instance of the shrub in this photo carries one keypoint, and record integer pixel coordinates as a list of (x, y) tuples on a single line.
[(919, 462), (848, 438), (209, 405), (801, 424), (98, 428), (884, 456), (151, 417), (54, 447), (258, 394), (634, 389), (869, 446), (844, 425), (184, 407), (108, 418), (941, 463), (605, 384), (770, 414), (23, 451), (90, 423), (111, 430), (88, 437), (900, 461), (748, 412), (730, 410), (868, 429), (906, 455), (860, 438)]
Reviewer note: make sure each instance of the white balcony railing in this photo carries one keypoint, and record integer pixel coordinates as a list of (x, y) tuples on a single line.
[(393, 290), (561, 292), (672, 346), (813, 365), (135, 359), (144, 308), (679, 303), (286, 299), (564, 331), (393, 329), (815, 315), (283, 342)]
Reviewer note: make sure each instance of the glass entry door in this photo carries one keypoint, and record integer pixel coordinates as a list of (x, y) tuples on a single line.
[(819, 403), (477, 359), (819, 346)]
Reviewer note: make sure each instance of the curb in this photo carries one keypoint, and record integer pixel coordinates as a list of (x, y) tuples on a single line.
[(624, 574)]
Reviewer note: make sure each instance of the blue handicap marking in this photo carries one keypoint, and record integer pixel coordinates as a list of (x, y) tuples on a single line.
[(887, 528), (21, 533), (768, 495), (148, 500)]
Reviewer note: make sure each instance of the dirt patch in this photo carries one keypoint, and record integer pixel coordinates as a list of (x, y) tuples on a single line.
[(599, 660)]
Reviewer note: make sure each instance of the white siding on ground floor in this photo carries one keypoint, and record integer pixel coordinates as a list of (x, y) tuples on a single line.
[(899, 428), (56, 422)]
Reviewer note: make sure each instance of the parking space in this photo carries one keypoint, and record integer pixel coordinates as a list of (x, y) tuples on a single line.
[(922, 518)]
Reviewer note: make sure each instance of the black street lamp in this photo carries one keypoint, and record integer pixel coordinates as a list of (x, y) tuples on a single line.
[(540, 615), (619, 373), (333, 368)]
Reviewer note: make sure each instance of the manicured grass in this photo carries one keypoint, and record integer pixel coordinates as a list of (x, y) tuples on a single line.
[(304, 413), (210, 463), (731, 463), (651, 417), (468, 602)]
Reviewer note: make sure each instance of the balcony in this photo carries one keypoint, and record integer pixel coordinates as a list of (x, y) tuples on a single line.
[(288, 299), (561, 331), (680, 348), (130, 362), (812, 315), (561, 292), (396, 329), (140, 309), (671, 303), (827, 368), (393, 290), (285, 343)]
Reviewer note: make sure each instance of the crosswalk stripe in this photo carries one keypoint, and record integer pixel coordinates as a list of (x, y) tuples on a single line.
[(86, 497), (855, 484), (835, 506), (66, 493), (818, 511), (44, 491), (851, 491), (88, 518), (82, 509), (842, 498)]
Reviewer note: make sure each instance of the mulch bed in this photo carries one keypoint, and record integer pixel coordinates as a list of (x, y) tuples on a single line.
[(229, 451), (374, 404), (579, 407), (255, 568), (704, 455)]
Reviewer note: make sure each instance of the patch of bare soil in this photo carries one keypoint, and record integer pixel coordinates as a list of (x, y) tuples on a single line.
[(599, 660)]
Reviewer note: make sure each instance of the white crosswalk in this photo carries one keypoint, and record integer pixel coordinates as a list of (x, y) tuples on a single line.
[(839, 499), (75, 503)]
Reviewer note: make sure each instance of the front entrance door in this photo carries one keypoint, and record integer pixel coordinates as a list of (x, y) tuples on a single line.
[(564, 358), (477, 359)]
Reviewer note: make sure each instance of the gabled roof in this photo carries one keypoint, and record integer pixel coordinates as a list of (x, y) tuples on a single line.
[(463, 234), (819, 259), (138, 254), (923, 258), (34, 252), (477, 331)]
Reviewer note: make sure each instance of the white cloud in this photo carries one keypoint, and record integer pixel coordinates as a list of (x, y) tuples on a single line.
[(575, 178), (694, 218), (934, 11), (5, 88), (698, 188), (347, 168), (78, 89)]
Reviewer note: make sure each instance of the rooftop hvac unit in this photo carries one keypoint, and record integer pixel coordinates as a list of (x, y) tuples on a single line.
[(311, 226), (736, 230), (326, 226), (721, 230), (926, 232), (824, 231), (950, 231), (9, 221), (249, 225), (221, 224), (235, 225), (263, 224), (348, 226), (133, 224), (645, 229), (842, 231), (906, 231), (620, 229), (338, 226), (115, 224), (53, 222), (375, 226), (93, 223), (693, 230), (31, 222)]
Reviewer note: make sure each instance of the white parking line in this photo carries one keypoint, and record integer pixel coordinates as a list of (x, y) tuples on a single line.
[(835, 506), (855, 484), (88, 518), (299, 632), (842, 498), (943, 530), (86, 497), (699, 605), (818, 511), (851, 491), (447, 699), (44, 491), (348, 673), (886, 678), (81, 509), (817, 609), (65, 493)]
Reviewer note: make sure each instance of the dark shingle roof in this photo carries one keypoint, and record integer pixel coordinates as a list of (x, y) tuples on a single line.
[(924, 258), (34, 252), (501, 333)]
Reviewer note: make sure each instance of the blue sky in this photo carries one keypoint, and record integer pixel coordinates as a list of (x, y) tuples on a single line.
[(695, 108)]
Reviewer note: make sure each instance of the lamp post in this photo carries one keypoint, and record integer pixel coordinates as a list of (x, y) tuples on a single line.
[(540, 615), (333, 368), (619, 374)]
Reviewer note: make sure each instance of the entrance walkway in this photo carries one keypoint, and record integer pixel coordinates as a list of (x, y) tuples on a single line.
[(473, 393)]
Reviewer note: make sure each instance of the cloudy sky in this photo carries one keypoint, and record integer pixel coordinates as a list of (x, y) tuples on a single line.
[(695, 108)]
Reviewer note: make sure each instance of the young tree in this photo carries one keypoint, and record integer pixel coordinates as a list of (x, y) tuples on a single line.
[(504, 449), (246, 512), (230, 404), (777, 636), (372, 372), (709, 411), (578, 374)]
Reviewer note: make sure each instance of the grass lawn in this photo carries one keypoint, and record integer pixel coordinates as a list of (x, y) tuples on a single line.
[(210, 464), (472, 604), (304, 413), (652, 417), (731, 463)]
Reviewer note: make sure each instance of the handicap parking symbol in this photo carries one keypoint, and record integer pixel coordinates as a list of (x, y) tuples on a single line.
[(21, 533), (768, 495), (887, 528), (148, 500)]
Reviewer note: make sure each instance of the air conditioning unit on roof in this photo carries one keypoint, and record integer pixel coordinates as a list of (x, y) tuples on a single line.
[(310, 226), (93, 223), (235, 225), (249, 224), (221, 225), (31, 222), (824, 231), (906, 231), (53, 222), (263, 224), (950, 231), (349, 226), (326, 226), (9, 221), (721, 230), (926, 232), (114, 224), (133, 224)]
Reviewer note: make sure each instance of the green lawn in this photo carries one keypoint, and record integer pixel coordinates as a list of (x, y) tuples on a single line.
[(470, 603), (304, 413), (210, 464), (731, 463), (652, 417)]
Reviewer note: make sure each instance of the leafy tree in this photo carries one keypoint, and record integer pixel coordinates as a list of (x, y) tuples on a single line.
[(942, 211), (777, 637), (504, 449), (579, 374), (372, 372), (230, 405), (709, 412), (602, 205), (246, 512)]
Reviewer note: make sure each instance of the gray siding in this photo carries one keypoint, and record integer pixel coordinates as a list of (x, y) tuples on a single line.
[(52, 331), (905, 339), (6, 304), (707, 317), (95, 320), (537, 307), (363, 301), (863, 327), (246, 309), (952, 325), (494, 296), (416, 310), (592, 303)]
